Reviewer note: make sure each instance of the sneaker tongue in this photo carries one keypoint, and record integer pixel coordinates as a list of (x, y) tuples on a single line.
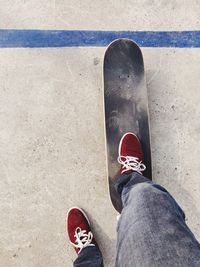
[(126, 172), (130, 164), (83, 239)]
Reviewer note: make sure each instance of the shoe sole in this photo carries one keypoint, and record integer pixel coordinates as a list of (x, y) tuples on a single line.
[(120, 143)]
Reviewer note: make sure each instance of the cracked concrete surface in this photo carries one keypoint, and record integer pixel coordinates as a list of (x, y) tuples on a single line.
[(52, 153)]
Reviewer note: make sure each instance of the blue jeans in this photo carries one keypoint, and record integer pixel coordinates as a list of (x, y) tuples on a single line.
[(151, 231), (89, 257)]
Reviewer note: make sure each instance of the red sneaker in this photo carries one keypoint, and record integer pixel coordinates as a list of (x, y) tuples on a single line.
[(130, 154), (78, 228)]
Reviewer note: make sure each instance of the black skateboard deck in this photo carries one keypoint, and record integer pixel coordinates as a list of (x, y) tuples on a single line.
[(126, 106)]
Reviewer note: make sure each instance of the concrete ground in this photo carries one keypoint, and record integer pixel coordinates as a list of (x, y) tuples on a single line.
[(52, 153)]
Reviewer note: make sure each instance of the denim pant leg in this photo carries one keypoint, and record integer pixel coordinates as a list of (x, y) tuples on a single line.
[(151, 230), (89, 257)]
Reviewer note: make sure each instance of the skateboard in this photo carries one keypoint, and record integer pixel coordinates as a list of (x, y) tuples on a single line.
[(126, 106)]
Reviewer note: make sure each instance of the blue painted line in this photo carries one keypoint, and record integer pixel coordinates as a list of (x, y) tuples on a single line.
[(75, 38)]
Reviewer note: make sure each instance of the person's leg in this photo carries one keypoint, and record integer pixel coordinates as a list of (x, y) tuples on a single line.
[(151, 230), (89, 257), (81, 237)]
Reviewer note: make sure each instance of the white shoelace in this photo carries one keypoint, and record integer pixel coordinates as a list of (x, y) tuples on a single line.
[(82, 239), (131, 163)]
